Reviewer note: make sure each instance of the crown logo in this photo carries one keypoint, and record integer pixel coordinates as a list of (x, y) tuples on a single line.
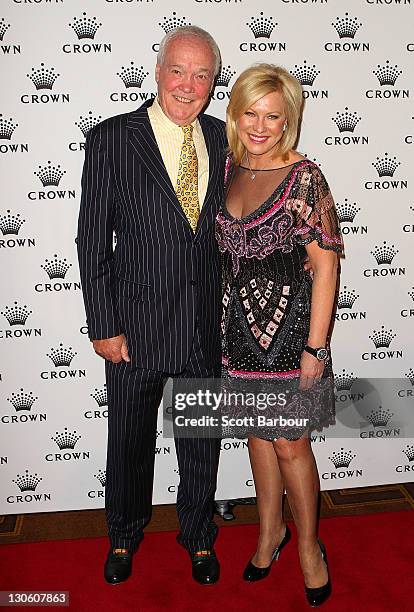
[(3, 28), (50, 175), (7, 128), (132, 76), (87, 123), (410, 376), (66, 439), (387, 75), (346, 26), (101, 476), (380, 417), (306, 74), (346, 121), (85, 27), (386, 166), (347, 299), (347, 211), (100, 396), (16, 315), (384, 254), (225, 76), (409, 452), (382, 338), (56, 268), (342, 459), (27, 482), (43, 78), (171, 23), (344, 381), (411, 294), (61, 356), (262, 27), (10, 224), (22, 400)]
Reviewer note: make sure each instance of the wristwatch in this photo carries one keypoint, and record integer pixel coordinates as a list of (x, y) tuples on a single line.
[(320, 353)]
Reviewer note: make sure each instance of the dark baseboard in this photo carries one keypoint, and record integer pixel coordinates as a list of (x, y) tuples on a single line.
[(15, 528)]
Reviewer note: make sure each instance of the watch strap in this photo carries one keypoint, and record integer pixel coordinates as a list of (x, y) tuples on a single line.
[(312, 351), (316, 352)]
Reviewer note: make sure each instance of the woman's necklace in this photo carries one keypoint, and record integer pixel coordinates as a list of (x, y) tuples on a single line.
[(252, 174)]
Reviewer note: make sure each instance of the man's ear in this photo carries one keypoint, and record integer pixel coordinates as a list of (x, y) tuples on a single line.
[(157, 73)]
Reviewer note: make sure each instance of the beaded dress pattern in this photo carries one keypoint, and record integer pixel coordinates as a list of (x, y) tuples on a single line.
[(266, 292)]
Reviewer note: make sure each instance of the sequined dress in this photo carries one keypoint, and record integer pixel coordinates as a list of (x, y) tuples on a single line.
[(266, 291)]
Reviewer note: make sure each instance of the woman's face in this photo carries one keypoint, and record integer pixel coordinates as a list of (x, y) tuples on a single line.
[(261, 127)]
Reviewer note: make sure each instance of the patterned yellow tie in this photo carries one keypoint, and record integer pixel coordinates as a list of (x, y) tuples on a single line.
[(187, 179)]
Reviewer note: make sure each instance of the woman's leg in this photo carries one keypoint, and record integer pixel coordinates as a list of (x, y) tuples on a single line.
[(269, 493), (300, 477)]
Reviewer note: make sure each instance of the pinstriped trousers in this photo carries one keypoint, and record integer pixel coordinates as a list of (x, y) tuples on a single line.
[(134, 395)]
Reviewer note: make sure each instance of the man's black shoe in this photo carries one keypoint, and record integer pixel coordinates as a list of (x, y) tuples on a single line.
[(118, 566), (206, 568)]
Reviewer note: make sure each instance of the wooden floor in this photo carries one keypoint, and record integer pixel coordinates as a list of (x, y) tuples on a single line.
[(91, 523)]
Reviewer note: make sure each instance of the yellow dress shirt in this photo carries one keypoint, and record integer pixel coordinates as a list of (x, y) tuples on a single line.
[(170, 138)]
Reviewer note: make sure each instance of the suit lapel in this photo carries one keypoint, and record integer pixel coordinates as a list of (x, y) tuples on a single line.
[(213, 170), (144, 146)]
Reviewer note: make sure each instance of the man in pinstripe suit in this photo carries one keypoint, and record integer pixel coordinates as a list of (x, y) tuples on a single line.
[(152, 304)]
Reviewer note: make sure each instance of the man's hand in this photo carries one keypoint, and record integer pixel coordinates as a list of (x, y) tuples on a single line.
[(311, 370), (113, 349)]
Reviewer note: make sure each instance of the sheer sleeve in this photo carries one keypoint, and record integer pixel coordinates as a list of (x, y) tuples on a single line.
[(315, 209)]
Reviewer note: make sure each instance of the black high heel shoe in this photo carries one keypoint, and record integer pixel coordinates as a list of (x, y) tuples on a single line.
[(252, 573), (317, 596)]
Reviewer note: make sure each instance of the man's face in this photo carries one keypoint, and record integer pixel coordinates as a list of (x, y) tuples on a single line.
[(185, 78)]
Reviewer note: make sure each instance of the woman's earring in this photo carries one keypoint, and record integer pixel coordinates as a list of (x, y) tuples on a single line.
[(284, 127)]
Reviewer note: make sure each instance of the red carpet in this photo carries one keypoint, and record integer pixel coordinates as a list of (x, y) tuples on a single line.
[(370, 557)]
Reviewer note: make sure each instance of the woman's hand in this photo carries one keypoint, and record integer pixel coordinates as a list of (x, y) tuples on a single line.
[(311, 370)]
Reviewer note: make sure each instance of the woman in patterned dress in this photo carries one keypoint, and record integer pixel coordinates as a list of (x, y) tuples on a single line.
[(279, 211)]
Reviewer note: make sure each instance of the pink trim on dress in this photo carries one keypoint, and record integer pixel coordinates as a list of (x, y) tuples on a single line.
[(268, 375), (227, 168), (305, 229)]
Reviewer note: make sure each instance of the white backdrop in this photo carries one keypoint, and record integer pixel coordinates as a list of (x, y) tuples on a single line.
[(67, 64)]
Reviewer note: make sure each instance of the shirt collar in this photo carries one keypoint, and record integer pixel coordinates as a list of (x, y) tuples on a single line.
[(165, 124)]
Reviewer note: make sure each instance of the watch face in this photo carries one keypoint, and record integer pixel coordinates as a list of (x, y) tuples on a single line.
[(322, 353)]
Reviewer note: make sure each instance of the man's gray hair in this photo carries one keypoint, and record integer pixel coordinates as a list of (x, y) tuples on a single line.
[(191, 31)]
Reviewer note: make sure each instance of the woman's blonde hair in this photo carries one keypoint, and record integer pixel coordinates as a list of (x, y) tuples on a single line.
[(254, 83)]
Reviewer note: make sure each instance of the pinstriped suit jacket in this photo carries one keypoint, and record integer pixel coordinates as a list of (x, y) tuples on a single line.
[(161, 278)]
